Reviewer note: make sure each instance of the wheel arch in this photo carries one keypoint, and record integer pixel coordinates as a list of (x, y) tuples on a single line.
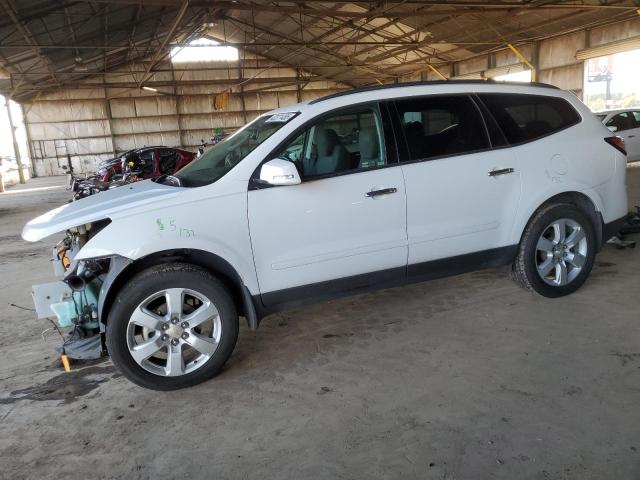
[(211, 262), (580, 200)]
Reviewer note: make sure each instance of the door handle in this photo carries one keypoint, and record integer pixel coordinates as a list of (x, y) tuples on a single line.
[(501, 171), (384, 191), (630, 136)]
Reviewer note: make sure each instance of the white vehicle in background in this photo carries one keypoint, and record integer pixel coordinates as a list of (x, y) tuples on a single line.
[(365, 189), (8, 164), (626, 124)]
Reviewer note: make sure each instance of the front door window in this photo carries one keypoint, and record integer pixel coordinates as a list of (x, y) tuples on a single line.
[(337, 144)]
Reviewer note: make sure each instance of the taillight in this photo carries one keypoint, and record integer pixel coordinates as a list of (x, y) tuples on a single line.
[(617, 143)]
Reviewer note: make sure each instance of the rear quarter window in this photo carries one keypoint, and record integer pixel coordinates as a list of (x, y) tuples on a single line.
[(524, 118)]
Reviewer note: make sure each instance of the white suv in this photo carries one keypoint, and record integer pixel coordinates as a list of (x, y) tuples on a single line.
[(365, 189)]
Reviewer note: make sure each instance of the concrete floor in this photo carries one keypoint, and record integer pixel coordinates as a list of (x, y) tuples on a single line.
[(467, 377)]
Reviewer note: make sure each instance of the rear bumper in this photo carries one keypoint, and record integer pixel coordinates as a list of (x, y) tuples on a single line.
[(611, 229)]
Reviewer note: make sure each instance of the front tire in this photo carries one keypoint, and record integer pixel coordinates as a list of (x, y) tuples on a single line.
[(172, 326), (557, 251)]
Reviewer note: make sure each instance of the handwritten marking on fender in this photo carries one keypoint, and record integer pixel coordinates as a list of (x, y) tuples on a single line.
[(172, 227)]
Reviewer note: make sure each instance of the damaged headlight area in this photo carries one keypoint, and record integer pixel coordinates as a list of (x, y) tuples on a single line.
[(73, 301)]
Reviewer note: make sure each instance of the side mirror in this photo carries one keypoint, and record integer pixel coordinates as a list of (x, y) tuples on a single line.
[(613, 128), (279, 172)]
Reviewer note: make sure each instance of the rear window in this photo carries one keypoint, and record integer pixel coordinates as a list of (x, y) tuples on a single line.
[(523, 118)]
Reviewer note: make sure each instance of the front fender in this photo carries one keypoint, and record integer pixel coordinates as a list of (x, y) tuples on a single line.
[(139, 236)]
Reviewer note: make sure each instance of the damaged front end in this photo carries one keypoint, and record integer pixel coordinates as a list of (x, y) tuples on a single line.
[(74, 300), (87, 268)]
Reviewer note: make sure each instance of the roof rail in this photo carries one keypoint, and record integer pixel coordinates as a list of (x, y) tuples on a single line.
[(429, 83)]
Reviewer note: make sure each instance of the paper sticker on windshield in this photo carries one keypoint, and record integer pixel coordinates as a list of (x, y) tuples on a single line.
[(280, 117)]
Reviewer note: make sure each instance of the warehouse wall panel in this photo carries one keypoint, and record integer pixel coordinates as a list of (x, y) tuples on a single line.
[(195, 104), (567, 78), (128, 142), (123, 126), (123, 107), (561, 51), (73, 94), (613, 33), (66, 110), (471, 66), (507, 57), (156, 105)]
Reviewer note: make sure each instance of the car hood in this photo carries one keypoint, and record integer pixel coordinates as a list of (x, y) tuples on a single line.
[(103, 205)]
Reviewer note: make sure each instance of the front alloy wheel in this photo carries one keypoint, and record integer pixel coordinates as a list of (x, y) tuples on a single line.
[(171, 326), (174, 332)]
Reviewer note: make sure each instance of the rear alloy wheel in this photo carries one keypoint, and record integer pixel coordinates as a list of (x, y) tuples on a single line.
[(561, 252), (557, 251), (172, 326)]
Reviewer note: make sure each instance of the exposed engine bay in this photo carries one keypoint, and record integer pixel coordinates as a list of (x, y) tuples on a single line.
[(72, 301)]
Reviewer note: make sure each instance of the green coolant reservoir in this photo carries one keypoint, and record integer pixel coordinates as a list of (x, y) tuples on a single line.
[(67, 310)]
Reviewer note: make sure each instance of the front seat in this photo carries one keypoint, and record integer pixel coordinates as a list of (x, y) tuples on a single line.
[(331, 156), (369, 148)]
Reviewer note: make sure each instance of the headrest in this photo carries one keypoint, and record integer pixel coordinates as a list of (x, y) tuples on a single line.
[(369, 147), (326, 141)]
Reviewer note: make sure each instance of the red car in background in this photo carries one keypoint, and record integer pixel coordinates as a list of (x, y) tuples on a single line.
[(154, 162)]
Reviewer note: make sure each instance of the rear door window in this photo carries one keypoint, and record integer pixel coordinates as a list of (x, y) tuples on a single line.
[(524, 118), (441, 125)]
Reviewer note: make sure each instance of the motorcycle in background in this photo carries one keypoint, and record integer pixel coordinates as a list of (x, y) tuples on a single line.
[(90, 185), (204, 146)]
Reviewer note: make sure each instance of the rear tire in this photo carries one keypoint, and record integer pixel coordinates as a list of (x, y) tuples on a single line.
[(557, 251), (172, 326)]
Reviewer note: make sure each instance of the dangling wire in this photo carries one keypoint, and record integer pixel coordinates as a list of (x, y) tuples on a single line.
[(23, 308), (56, 328)]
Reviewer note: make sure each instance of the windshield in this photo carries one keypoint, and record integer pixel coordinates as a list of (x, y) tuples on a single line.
[(223, 156)]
